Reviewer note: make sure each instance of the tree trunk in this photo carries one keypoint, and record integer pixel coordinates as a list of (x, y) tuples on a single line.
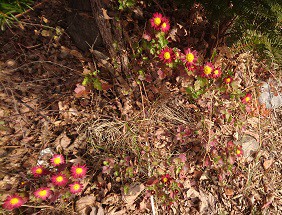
[(89, 25)]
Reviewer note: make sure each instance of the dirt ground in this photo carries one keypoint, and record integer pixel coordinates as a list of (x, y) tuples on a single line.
[(40, 68)]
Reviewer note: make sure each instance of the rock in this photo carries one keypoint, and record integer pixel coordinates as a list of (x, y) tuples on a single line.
[(268, 97), (249, 146)]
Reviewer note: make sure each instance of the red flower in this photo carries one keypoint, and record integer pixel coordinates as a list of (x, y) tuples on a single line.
[(166, 179), (78, 171), (207, 70), (57, 160), (156, 20), (167, 55), (165, 26), (38, 171), (228, 80), (190, 58), (13, 201), (43, 193), (247, 98), (239, 151), (76, 187), (216, 73), (59, 179)]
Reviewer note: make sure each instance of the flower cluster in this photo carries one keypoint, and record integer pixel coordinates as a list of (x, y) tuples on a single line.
[(59, 177), (165, 187), (160, 22), (189, 59)]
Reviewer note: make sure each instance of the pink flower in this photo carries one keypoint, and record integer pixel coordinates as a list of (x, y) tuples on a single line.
[(75, 187), (57, 160), (165, 26), (190, 58), (247, 98), (43, 193), (207, 70), (166, 179), (156, 20), (59, 180), (38, 171), (216, 73), (239, 151), (78, 171), (228, 80), (167, 55), (13, 201)]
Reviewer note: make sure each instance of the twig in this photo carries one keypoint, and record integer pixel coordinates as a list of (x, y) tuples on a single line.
[(41, 206), (157, 3), (27, 11), (23, 103), (43, 61)]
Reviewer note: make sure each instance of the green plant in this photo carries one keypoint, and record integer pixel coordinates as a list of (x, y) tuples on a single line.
[(48, 183), (248, 25), (123, 4), (8, 10)]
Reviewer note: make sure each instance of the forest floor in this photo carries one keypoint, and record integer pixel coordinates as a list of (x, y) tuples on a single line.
[(132, 139)]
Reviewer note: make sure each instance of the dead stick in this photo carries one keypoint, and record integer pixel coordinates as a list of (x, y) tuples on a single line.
[(27, 11)]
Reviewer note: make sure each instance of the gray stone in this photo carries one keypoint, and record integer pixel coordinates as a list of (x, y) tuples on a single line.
[(249, 145), (270, 99)]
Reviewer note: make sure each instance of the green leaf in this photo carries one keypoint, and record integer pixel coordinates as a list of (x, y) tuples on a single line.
[(85, 81), (162, 40), (200, 83), (97, 84)]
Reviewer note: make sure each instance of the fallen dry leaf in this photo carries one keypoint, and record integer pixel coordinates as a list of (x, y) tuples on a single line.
[(62, 141), (267, 164), (134, 191), (106, 16), (84, 204), (80, 91), (111, 199), (192, 193), (228, 191)]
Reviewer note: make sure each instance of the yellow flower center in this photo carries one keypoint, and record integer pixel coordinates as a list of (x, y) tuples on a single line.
[(228, 80), (59, 179), (14, 201), (207, 70), (164, 25), (216, 72), (57, 160), (247, 99), (238, 151), (165, 180), (78, 170), (38, 171), (190, 57), (42, 193), (76, 187), (157, 21), (166, 55)]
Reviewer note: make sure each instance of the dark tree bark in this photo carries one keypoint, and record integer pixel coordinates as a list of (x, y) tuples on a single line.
[(89, 25)]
